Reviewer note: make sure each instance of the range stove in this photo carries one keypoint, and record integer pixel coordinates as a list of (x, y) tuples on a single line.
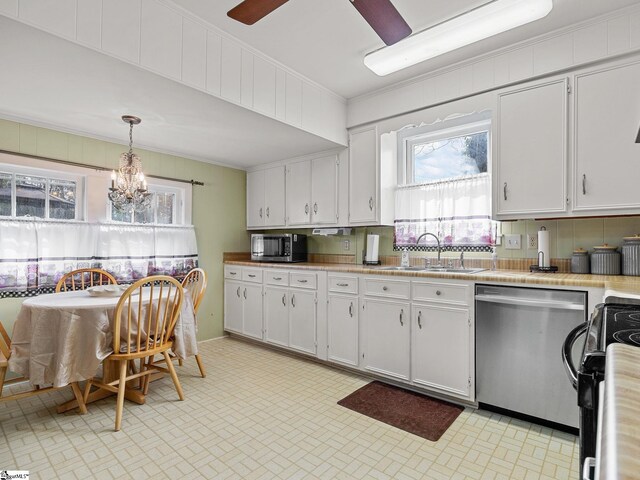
[(609, 323)]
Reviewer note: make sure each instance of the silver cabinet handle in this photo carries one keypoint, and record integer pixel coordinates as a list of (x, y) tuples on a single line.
[(245, 293), (303, 281), (293, 300), (315, 207), (232, 273), (385, 288), (584, 183), (343, 284), (277, 278), (420, 319), (306, 208), (251, 275), (351, 309), (504, 190), (284, 300), (438, 292), (267, 212), (238, 292), (260, 212), (401, 315), (370, 203)]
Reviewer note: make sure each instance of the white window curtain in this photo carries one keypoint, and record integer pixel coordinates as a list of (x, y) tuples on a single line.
[(34, 255), (457, 211)]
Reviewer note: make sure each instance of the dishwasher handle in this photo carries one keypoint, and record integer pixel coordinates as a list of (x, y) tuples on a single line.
[(530, 302), (567, 347)]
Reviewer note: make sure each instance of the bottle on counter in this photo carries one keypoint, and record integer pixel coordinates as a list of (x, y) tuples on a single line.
[(494, 259)]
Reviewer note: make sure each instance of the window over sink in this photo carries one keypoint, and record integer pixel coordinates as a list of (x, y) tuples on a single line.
[(445, 185)]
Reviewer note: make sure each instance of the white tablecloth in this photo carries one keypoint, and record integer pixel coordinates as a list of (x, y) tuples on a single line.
[(64, 337)]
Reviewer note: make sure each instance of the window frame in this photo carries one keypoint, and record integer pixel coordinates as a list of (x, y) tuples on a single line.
[(48, 175), (459, 126), (179, 207)]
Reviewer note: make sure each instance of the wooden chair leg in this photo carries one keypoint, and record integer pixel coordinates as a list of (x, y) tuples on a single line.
[(121, 388), (174, 375), (79, 397), (201, 366), (87, 390)]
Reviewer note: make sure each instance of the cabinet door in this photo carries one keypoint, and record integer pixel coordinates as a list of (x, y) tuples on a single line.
[(342, 318), (441, 348), (532, 151), (252, 312), (324, 190), (302, 321), (276, 316), (255, 199), (363, 175), (274, 202), (233, 306), (299, 193), (387, 337), (607, 116)]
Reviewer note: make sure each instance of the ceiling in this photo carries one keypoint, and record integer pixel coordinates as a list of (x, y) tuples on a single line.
[(58, 84), (326, 40)]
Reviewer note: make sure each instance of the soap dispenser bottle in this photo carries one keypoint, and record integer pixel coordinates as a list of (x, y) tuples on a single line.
[(404, 259)]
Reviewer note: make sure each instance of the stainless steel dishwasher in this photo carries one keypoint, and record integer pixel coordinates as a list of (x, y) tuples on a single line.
[(519, 337)]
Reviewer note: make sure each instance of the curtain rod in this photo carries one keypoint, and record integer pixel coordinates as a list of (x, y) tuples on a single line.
[(95, 167)]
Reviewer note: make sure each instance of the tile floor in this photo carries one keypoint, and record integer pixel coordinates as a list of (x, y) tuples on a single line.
[(261, 414)]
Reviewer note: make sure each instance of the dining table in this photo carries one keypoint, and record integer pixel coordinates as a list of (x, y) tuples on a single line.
[(65, 337)]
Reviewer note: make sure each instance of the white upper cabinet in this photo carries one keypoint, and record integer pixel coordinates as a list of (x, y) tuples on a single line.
[(312, 195), (531, 151), (266, 198), (607, 118), (363, 175)]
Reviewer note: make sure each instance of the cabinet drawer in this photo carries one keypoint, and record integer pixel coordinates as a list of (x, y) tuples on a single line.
[(276, 277), (233, 272), (441, 293), (343, 284), (381, 287), (252, 275), (303, 280)]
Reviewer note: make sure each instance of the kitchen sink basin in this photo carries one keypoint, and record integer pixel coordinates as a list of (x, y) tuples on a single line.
[(434, 269)]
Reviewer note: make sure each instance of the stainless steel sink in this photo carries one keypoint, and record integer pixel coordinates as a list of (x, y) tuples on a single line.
[(434, 269)]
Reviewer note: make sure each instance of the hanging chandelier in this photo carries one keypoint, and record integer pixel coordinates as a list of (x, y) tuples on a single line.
[(128, 191)]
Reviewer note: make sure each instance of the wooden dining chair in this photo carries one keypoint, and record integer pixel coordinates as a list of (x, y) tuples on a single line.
[(195, 283), (5, 354), (84, 278), (143, 324)]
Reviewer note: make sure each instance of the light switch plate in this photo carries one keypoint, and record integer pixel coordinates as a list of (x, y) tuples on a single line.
[(513, 241)]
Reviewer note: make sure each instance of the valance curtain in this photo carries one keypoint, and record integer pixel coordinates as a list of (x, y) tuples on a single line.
[(457, 211), (35, 255)]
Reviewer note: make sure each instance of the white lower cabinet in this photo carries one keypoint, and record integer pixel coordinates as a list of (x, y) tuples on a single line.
[(276, 315), (302, 321), (233, 306), (387, 333), (243, 308), (342, 324), (440, 348)]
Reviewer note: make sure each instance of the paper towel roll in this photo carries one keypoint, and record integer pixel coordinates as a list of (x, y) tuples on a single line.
[(372, 248), (543, 248)]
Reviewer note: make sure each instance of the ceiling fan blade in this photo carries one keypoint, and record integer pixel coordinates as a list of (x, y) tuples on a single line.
[(384, 19), (250, 11)]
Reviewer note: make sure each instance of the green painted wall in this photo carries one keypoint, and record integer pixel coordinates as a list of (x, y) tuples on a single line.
[(218, 208)]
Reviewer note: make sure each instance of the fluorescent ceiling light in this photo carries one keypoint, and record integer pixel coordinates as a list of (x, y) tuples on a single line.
[(483, 22)]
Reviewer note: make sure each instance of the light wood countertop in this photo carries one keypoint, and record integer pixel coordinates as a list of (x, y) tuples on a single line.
[(618, 283), (620, 448)]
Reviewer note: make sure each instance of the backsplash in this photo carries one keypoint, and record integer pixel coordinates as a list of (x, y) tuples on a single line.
[(565, 235)]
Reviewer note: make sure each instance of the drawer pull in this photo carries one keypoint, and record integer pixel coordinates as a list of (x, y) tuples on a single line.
[(343, 284), (303, 281), (420, 319), (252, 276), (232, 273), (438, 292), (351, 309), (385, 288), (277, 278), (401, 315)]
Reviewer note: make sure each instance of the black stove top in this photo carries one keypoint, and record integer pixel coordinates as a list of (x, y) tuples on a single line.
[(621, 324)]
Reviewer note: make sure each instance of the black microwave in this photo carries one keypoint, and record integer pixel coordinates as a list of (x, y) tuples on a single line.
[(285, 247)]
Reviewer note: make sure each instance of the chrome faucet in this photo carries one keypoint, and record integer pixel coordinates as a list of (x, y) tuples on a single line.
[(461, 259), (437, 240)]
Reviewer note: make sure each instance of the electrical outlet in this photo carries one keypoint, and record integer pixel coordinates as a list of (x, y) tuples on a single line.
[(513, 241), (532, 241), (346, 244)]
